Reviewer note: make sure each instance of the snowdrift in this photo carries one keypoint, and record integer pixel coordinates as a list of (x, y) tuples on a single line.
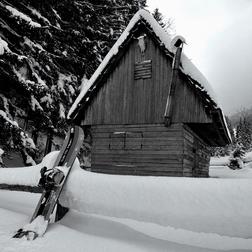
[(214, 205), (224, 161), (219, 161), (222, 206), (26, 175)]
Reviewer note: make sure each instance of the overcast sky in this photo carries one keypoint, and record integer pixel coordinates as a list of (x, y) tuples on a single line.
[(219, 38)]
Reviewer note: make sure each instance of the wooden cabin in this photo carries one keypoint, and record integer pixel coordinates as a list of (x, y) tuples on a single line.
[(148, 109)]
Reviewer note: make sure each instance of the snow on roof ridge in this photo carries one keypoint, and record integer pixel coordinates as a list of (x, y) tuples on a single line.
[(187, 66)]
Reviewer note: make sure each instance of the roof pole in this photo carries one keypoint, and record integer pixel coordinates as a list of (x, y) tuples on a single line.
[(174, 76)]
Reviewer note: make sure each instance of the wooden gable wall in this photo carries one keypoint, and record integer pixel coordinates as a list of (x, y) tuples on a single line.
[(188, 105), (123, 99)]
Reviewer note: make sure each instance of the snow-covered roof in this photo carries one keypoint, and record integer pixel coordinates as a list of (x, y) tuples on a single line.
[(187, 66)]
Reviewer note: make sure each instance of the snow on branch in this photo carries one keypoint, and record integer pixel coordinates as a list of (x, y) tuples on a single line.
[(29, 84), (5, 117), (38, 15), (35, 104), (47, 99), (62, 112), (22, 16), (3, 46)]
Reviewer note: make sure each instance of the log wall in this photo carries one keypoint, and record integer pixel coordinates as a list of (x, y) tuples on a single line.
[(196, 156), (138, 149), (148, 150)]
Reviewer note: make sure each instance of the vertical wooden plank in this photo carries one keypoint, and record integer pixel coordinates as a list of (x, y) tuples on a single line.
[(123, 100), (125, 86), (155, 90)]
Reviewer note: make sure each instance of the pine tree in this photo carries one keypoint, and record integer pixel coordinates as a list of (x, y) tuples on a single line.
[(236, 158), (243, 133), (167, 24), (46, 47), (226, 150), (159, 17)]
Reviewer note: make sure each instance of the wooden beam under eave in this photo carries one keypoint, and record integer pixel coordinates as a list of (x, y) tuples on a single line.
[(173, 82)]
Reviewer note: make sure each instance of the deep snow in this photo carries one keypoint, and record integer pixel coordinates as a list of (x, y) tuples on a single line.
[(88, 232), (129, 213)]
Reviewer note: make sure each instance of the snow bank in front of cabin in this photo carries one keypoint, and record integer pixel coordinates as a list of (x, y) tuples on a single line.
[(248, 157), (208, 205), (219, 168), (28, 175), (99, 233), (187, 66), (219, 161), (225, 172), (200, 205), (224, 161)]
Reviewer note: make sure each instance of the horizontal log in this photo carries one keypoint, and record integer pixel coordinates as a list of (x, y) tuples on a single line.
[(144, 134), (164, 156), (136, 168), (134, 161), (104, 167), (135, 127), (156, 140), (141, 173), (140, 152), (137, 162), (152, 148)]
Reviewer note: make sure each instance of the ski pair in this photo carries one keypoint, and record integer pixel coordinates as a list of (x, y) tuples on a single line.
[(53, 183)]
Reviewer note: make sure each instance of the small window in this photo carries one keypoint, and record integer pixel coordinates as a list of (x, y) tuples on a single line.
[(143, 70), (133, 140), (126, 141), (117, 141)]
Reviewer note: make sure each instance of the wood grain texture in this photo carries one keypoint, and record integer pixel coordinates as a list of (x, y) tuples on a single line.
[(196, 155), (127, 118), (136, 92), (138, 149)]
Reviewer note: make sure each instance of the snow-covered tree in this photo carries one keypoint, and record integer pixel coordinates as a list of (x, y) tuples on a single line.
[(226, 150), (46, 47), (243, 133), (236, 157), (167, 24)]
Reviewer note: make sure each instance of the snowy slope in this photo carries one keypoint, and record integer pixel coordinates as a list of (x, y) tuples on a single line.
[(135, 213), (200, 205), (83, 232), (76, 233), (26, 175), (219, 167)]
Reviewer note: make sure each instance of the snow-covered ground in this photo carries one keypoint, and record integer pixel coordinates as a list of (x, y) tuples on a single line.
[(89, 232), (219, 167), (129, 213)]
